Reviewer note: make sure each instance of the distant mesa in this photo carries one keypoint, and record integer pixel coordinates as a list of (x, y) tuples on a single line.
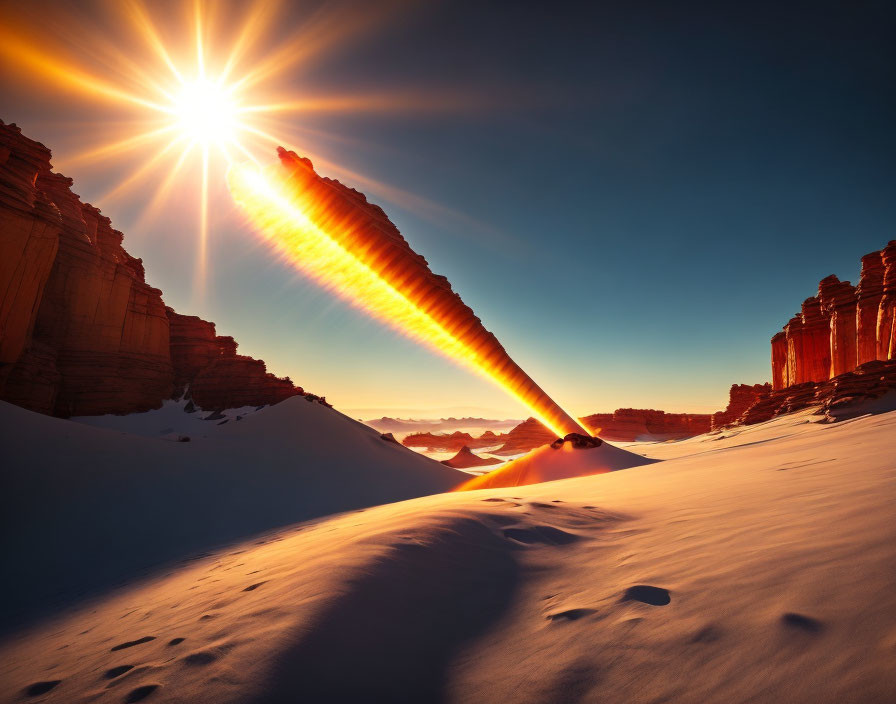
[(452, 442), (622, 425), (82, 332), (546, 464), (466, 459), (436, 425)]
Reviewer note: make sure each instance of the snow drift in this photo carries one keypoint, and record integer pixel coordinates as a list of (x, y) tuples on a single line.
[(84, 507), (548, 463), (752, 566)]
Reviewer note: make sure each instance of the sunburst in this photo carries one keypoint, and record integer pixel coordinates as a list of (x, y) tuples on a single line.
[(200, 86)]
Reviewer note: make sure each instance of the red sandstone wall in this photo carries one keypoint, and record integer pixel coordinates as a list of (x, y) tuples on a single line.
[(628, 424), (741, 397), (81, 332), (840, 328), (29, 239)]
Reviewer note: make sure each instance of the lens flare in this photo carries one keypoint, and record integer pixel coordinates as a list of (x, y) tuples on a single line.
[(332, 234), (206, 112)]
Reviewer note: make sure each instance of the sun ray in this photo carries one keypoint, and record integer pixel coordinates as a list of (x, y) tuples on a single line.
[(161, 192), (137, 176), (64, 73), (117, 148), (141, 21), (255, 22), (200, 278), (228, 101)]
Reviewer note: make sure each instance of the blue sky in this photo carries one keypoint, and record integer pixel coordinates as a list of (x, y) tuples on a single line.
[(634, 200)]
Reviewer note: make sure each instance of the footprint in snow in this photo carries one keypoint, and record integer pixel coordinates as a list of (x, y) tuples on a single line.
[(655, 596)]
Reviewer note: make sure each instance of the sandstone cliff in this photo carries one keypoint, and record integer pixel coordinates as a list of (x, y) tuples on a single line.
[(452, 442), (81, 332), (740, 398), (841, 327), (867, 382), (629, 424), (623, 425)]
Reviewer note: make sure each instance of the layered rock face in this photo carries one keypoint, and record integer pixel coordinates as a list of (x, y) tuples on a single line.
[(630, 424), (206, 366), (740, 398), (623, 425), (866, 382), (841, 327), (452, 442), (886, 312), (526, 436), (81, 332)]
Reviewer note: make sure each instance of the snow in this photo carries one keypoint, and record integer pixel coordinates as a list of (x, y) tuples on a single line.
[(170, 421), (85, 507), (754, 565), (545, 464)]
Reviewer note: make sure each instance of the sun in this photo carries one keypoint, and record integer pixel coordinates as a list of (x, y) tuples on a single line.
[(206, 112), (185, 95)]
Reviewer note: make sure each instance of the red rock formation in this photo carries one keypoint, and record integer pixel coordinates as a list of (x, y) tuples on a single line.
[(99, 330), (868, 296), (193, 346), (630, 424), (832, 397), (465, 459), (838, 301), (741, 397), (526, 436), (439, 442), (231, 381), (81, 332), (29, 239), (622, 425), (886, 316), (840, 328), (808, 344), (779, 360), (452, 442)]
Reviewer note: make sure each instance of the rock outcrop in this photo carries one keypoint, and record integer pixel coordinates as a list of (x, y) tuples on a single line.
[(526, 436), (867, 382), (452, 442), (207, 367), (841, 327), (630, 424), (465, 459), (81, 332), (622, 425), (740, 398)]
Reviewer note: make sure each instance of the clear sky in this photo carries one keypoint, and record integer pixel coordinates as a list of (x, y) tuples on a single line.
[(632, 196)]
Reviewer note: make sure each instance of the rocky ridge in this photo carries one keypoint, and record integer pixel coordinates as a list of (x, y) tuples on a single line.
[(81, 332), (840, 328)]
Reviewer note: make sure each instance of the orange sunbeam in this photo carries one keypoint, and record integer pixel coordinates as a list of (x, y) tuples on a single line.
[(349, 247), (141, 21), (199, 279), (162, 191), (383, 101), (138, 175), (117, 148), (256, 20), (326, 29), (64, 73)]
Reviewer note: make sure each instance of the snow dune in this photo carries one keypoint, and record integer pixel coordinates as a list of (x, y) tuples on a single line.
[(547, 464), (86, 507), (753, 566)]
